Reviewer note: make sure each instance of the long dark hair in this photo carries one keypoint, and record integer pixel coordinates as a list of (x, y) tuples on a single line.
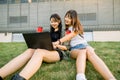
[(77, 27), (57, 18)]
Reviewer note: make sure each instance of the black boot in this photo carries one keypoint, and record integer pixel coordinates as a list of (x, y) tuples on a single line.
[(17, 77), (1, 78)]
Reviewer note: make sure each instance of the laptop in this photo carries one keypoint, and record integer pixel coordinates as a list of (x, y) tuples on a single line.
[(38, 40)]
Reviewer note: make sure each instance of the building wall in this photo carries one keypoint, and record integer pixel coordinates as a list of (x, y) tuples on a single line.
[(95, 16), (106, 36), (20, 17), (89, 36), (5, 37)]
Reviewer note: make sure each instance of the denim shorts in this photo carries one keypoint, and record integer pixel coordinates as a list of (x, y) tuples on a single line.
[(80, 46)]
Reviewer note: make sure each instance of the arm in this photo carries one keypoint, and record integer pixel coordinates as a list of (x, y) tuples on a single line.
[(62, 47), (66, 38)]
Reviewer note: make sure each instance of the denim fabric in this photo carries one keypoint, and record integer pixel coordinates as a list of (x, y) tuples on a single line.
[(79, 46)]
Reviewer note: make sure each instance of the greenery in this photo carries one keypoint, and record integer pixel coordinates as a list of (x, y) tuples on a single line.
[(65, 69)]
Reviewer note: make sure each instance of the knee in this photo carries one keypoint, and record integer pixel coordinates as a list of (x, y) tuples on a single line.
[(90, 53), (82, 53), (30, 51), (39, 52)]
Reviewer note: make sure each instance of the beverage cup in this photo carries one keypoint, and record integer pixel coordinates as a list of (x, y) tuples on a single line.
[(40, 29)]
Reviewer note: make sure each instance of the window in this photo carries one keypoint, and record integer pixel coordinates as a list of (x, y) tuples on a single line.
[(18, 19), (11, 1), (87, 16), (17, 1), (3, 1), (41, 0), (24, 1), (34, 0)]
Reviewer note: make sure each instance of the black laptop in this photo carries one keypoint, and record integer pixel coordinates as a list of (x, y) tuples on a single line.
[(38, 40)]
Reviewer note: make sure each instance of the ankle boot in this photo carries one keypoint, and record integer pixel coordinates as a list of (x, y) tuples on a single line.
[(17, 77), (1, 78)]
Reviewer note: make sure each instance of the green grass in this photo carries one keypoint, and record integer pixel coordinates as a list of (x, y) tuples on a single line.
[(65, 69)]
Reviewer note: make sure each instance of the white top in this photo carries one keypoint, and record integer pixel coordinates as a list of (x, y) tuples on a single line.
[(77, 39)]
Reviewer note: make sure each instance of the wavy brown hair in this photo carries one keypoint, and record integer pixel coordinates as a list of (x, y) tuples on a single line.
[(77, 27)]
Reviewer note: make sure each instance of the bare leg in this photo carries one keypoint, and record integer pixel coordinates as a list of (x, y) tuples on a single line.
[(80, 56), (99, 65), (35, 62), (16, 63)]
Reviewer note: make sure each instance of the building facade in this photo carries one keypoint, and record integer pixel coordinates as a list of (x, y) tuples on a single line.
[(17, 16)]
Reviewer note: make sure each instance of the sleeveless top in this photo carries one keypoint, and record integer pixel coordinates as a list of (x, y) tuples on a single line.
[(77, 39)]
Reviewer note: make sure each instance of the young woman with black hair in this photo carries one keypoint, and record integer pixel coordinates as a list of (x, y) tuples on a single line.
[(37, 56)]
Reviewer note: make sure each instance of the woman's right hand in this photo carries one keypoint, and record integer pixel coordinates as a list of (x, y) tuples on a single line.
[(56, 43)]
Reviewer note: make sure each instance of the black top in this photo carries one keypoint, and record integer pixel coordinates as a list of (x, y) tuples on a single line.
[(55, 36)]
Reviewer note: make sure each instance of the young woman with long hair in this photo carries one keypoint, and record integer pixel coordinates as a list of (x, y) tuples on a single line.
[(80, 49)]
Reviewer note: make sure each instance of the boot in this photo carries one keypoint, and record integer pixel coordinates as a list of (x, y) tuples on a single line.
[(17, 77), (1, 78)]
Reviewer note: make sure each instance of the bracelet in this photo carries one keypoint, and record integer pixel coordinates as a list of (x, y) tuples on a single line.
[(59, 41)]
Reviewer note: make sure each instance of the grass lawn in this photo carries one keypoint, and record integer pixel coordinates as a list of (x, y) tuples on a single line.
[(65, 69)]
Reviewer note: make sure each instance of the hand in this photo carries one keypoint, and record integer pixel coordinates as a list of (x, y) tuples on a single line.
[(62, 47), (56, 43)]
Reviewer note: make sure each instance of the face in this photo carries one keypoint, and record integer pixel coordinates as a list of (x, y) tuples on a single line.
[(68, 20), (54, 23)]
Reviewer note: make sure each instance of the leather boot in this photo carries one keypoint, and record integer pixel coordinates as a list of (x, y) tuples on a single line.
[(1, 78), (17, 77)]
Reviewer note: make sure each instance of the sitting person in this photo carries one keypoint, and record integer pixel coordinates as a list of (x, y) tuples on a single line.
[(80, 49), (34, 58)]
